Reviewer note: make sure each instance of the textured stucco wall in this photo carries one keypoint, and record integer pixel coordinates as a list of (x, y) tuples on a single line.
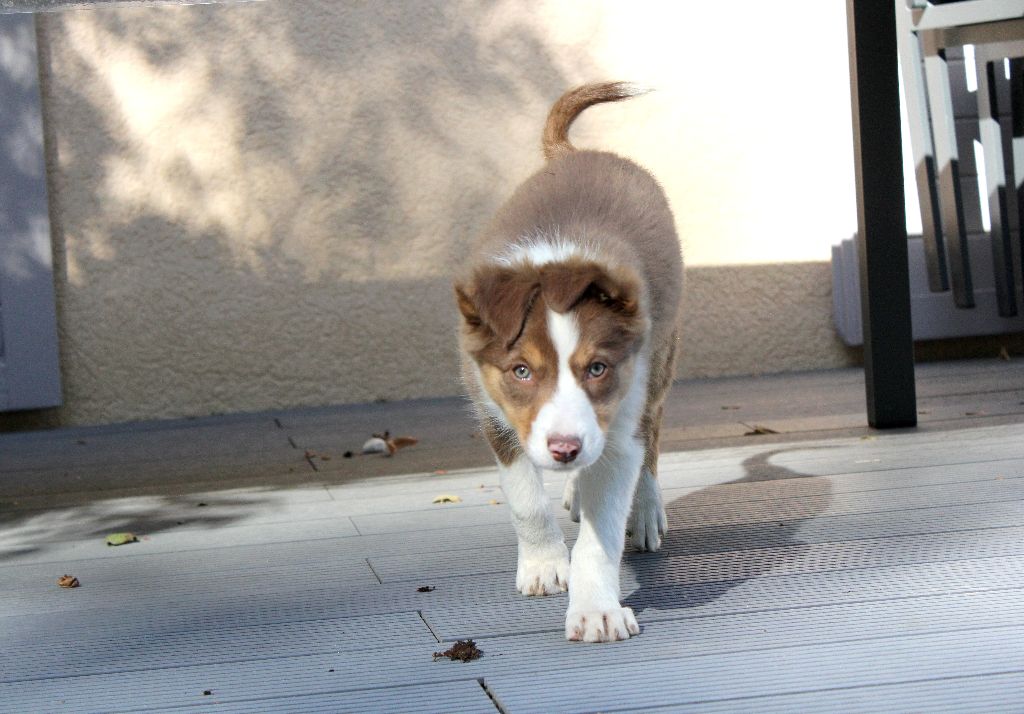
[(259, 205)]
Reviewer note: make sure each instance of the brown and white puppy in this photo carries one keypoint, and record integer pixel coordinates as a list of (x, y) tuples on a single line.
[(568, 337)]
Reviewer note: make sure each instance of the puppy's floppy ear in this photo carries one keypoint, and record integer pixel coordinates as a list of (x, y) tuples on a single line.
[(470, 315), (564, 285), (497, 301)]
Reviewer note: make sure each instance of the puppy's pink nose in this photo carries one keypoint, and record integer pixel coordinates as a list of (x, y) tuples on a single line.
[(564, 448)]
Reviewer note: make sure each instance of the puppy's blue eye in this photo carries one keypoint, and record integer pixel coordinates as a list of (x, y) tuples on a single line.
[(521, 371), (596, 369)]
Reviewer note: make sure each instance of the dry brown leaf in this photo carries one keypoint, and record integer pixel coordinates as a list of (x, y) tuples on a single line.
[(757, 430), (399, 442), (461, 651), (68, 581)]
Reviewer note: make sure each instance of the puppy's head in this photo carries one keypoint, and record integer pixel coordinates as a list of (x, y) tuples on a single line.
[(555, 347)]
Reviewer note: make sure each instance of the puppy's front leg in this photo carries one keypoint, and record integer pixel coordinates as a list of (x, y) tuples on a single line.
[(605, 492), (543, 558)]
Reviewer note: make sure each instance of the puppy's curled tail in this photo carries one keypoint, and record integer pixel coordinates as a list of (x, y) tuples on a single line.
[(571, 104)]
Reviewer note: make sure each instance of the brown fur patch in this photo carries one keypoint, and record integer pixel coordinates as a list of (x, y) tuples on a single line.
[(565, 284), (497, 301)]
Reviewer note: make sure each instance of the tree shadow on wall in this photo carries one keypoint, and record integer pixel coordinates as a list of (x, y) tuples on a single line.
[(698, 564), (261, 204)]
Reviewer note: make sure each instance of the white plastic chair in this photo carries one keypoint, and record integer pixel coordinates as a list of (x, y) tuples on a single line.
[(925, 31)]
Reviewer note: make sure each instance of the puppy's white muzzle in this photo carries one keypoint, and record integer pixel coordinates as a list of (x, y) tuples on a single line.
[(565, 433)]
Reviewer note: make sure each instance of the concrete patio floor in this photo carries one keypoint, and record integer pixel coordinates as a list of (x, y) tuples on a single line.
[(822, 567)]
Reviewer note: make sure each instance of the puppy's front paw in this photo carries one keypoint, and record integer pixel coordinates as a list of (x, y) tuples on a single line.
[(647, 522), (600, 625), (543, 574)]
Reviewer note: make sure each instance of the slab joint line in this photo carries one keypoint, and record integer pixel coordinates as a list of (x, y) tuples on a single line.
[(491, 695), (370, 566), (429, 627)]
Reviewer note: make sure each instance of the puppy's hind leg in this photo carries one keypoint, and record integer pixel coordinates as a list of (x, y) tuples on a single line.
[(648, 522), (571, 497)]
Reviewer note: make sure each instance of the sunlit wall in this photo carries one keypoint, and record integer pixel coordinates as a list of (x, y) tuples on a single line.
[(260, 205)]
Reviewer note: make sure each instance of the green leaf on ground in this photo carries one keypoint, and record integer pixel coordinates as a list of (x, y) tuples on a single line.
[(121, 538)]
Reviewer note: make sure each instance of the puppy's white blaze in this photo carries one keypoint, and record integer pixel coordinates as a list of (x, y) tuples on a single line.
[(569, 411)]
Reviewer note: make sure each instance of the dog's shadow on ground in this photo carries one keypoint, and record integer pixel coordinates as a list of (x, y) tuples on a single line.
[(719, 538)]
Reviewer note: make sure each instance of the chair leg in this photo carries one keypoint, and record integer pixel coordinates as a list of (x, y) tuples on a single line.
[(1016, 179), (922, 149), (996, 142), (947, 164)]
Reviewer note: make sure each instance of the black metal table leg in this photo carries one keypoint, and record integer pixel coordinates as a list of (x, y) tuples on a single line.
[(882, 234)]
